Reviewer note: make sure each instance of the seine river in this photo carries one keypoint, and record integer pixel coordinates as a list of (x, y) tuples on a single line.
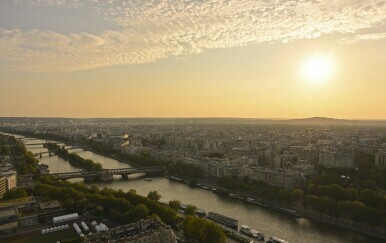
[(268, 222)]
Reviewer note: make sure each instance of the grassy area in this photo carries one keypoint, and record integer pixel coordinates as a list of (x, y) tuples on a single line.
[(14, 201), (36, 237)]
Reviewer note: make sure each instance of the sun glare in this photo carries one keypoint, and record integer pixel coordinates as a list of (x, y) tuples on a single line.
[(317, 69)]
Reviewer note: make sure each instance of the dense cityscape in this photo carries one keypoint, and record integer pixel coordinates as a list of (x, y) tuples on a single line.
[(319, 171)]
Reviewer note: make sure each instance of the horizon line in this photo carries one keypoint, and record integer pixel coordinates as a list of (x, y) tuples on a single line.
[(203, 117)]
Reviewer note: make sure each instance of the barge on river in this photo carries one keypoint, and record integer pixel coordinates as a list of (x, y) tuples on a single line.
[(224, 220)]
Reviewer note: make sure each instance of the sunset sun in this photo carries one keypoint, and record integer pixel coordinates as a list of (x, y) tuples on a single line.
[(317, 69)]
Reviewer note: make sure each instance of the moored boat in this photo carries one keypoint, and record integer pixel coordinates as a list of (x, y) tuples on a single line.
[(245, 229), (233, 195), (253, 201), (224, 220), (287, 211)]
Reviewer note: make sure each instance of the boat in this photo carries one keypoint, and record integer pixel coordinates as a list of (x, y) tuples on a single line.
[(204, 187), (233, 195), (183, 207), (173, 178), (253, 201), (251, 232), (214, 189), (222, 191), (186, 182), (276, 240), (258, 235), (287, 211), (224, 220), (148, 179), (200, 212)]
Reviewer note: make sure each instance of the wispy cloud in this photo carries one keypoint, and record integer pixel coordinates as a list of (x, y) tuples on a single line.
[(156, 29), (364, 37)]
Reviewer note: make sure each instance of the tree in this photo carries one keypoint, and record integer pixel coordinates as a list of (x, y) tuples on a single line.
[(368, 197), (175, 204), (203, 230), (297, 194), (351, 194), (212, 233), (154, 196), (15, 193), (190, 210), (140, 211)]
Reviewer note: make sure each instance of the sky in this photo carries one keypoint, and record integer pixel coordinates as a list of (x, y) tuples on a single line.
[(193, 58)]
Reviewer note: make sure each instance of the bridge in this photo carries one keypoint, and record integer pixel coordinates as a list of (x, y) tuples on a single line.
[(40, 143), (107, 174), (50, 152)]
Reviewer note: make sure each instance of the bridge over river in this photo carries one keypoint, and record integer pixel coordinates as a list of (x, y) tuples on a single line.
[(51, 152), (107, 174)]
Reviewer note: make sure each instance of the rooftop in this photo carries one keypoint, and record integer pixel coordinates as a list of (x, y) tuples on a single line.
[(132, 231), (49, 205), (5, 213)]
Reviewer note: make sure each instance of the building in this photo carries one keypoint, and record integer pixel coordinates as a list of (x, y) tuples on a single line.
[(10, 177), (8, 219), (151, 230), (289, 180), (49, 205), (116, 141), (380, 158), (3, 186), (333, 159)]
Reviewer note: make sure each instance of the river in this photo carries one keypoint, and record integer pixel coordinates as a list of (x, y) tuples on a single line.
[(265, 220)]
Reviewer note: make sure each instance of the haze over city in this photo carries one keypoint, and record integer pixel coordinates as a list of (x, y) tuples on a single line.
[(217, 58)]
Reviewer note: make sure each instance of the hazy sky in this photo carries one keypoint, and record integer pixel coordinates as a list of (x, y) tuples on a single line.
[(193, 58)]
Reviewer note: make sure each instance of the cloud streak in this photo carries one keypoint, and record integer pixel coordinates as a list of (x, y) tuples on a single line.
[(156, 29)]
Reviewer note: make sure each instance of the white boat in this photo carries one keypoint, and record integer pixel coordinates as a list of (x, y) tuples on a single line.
[(148, 179)]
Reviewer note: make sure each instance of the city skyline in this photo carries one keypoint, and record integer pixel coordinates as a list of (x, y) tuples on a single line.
[(189, 59)]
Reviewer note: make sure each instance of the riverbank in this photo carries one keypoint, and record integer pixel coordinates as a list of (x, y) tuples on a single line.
[(296, 211)]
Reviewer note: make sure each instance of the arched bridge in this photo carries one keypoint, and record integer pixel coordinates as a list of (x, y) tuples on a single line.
[(107, 174)]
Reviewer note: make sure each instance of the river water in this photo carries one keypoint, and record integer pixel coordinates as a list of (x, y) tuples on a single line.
[(269, 222)]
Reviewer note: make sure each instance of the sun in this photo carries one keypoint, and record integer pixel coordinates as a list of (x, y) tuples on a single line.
[(317, 69)]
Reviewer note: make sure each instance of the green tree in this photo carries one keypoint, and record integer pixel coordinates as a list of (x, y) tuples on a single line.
[(15, 193), (212, 233), (203, 230), (175, 204), (154, 196), (140, 211), (190, 210)]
